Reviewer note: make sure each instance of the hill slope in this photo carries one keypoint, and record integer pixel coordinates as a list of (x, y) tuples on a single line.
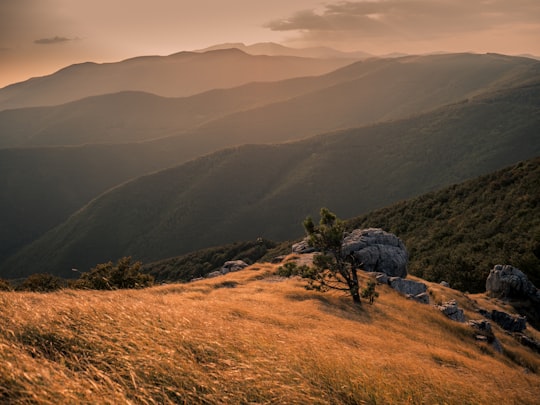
[(459, 233), (249, 337), (177, 75), (253, 191), (359, 94)]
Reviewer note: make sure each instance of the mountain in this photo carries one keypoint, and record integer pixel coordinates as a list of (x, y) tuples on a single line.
[(177, 75), (256, 190), (251, 337), (274, 49), (356, 95)]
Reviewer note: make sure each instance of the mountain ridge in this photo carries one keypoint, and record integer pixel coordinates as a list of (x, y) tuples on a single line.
[(262, 189)]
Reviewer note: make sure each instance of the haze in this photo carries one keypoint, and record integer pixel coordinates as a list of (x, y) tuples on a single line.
[(38, 37)]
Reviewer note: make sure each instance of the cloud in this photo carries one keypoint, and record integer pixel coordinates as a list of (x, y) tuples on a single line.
[(412, 19), (53, 40)]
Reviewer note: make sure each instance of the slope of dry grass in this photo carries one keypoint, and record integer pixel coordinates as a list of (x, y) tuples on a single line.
[(250, 337)]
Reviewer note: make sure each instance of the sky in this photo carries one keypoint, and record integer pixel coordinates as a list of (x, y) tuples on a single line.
[(38, 37)]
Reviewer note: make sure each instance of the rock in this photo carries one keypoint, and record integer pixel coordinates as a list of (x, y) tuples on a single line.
[(511, 323), (407, 287), (377, 251), (302, 247), (422, 298), (509, 282), (529, 342), (481, 325), (214, 274), (381, 278), (233, 265), (451, 310), (445, 284)]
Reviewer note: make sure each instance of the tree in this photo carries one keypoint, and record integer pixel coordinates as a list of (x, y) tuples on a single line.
[(332, 269)]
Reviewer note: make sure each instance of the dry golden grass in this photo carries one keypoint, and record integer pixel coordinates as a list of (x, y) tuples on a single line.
[(249, 337)]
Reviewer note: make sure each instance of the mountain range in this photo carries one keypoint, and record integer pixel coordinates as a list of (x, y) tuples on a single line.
[(176, 75), (398, 127), (263, 190)]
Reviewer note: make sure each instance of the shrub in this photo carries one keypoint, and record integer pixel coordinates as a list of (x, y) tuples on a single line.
[(42, 282), (107, 276), (5, 286)]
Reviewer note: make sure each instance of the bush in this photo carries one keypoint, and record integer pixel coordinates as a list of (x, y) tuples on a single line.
[(5, 286), (290, 269), (107, 276), (42, 283)]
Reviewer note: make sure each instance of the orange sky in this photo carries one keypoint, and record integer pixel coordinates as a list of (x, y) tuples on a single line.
[(38, 37)]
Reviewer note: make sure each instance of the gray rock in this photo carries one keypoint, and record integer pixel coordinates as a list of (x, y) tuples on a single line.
[(377, 251), (233, 265), (511, 323), (509, 282), (381, 278), (407, 287), (445, 284), (302, 247), (481, 325), (214, 274), (451, 310), (422, 298)]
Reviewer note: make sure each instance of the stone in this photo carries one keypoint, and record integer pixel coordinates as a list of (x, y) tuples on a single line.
[(233, 265), (377, 251), (407, 287), (445, 284), (422, 298), (303, 247), (381, 278), (505, 281), (214, 274), (511, 323), (481, 325), (451, 310)]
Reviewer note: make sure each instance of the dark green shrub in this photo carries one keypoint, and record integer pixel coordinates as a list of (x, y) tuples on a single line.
[(42, 283), (109, 276), (5, 286)]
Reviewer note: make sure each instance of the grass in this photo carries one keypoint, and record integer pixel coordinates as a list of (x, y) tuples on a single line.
[(249, 337)]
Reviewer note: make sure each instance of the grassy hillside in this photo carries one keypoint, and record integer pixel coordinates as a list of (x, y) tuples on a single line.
[(250, 337), (459, 233), (264, 191), (359, 94), (178, 75)]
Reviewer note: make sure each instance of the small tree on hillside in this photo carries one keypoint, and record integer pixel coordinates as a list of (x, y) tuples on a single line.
[(332, 270)]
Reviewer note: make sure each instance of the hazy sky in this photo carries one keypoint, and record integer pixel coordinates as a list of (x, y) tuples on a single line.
[(38, 37)]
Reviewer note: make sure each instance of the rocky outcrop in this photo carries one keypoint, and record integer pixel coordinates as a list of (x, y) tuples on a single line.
[(233, 265), (377, 251), (509, 282), (303, 247), (511, 323), (407, 287), (411, 289), (452, 311)]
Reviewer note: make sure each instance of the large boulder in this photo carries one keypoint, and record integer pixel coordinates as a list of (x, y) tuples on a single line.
[(377, 251), (303, 247), (407, 287), (509, 282), (233, 265)]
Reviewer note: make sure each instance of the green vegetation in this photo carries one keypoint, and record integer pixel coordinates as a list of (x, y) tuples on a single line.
[(64, 179), (257, 190), (202, 262), (331, 269), (107, 276), (459, 233), (42, 282)]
